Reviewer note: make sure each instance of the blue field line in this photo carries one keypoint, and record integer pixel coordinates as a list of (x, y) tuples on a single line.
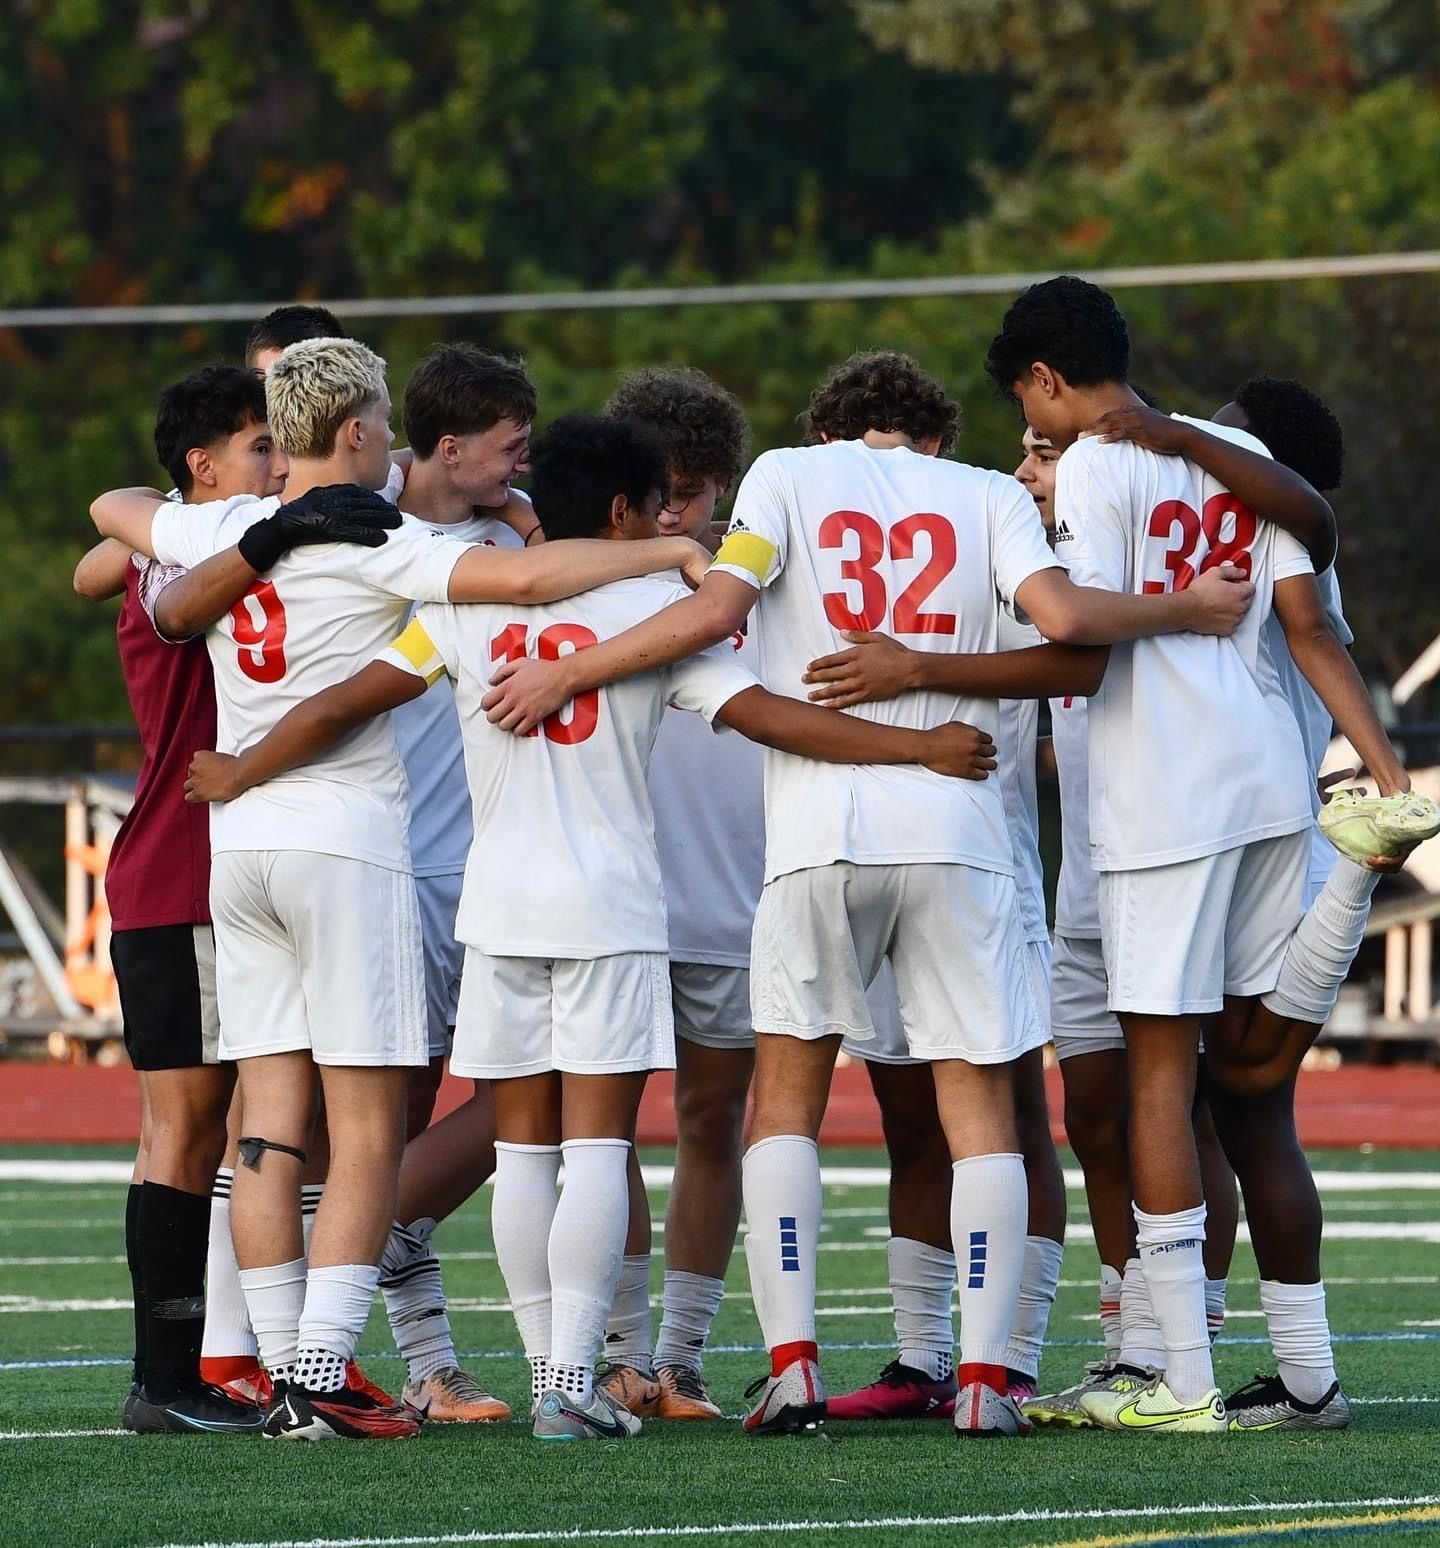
[(370, 1356)]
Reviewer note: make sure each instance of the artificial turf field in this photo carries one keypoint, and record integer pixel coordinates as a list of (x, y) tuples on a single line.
[(68, 1476)]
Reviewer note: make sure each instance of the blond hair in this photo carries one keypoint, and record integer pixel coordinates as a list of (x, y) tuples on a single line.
[(314, 387)]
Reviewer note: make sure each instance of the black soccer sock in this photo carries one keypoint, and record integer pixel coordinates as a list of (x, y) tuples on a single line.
[(174, 1239), (137, 1278)]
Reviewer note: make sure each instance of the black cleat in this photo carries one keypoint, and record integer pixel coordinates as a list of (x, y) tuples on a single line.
[(296, 1413), (206, 1412), (127, 1408)]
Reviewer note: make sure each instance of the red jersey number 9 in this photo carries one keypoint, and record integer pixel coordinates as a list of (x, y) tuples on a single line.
[(840, 528), (584, 708), (260, 647)]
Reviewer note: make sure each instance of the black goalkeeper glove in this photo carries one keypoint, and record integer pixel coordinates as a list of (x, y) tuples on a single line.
[(335, 513)]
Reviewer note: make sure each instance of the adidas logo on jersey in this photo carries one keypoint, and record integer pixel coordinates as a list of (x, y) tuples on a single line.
[(1063, 534)]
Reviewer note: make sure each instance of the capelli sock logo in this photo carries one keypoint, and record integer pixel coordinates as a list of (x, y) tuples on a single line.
[(1190, 1242)]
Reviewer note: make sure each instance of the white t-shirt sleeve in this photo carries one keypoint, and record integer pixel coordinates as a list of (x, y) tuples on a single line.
[(427, 646), (187, 535), (1290, 557), (1093, 540), (394, 483), (706, 682), (755, 546), (413, 562), (1018, 539)]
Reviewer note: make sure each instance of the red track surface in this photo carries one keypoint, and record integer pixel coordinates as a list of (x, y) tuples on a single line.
[(83, 1104)]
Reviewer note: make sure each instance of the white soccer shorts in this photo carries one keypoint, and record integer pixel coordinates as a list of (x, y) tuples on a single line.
[(439, 899), (597, 1016), (1179, 938), (317, 953), (953, 936), (1080, 1017), (712, 1004)]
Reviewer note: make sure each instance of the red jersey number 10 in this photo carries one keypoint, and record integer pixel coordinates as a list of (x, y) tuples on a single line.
[(584, 709), (260, 646), (1180, 529), (854, 529)]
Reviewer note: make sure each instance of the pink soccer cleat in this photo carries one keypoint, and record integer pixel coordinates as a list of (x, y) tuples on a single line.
[(899, 1392)]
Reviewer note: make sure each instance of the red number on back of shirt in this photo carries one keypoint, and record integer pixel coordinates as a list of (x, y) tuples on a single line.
[(870, 541), (509, 645), (1176, 523), (261, 647)]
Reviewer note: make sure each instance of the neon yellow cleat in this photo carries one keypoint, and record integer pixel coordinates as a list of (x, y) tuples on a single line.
[(1362, 827), (1155, 1407)]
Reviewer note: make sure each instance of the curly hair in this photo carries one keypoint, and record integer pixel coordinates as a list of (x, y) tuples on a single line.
[(582, 462), (881, 389), (700, 425), (1297, 428), (1071, 325)]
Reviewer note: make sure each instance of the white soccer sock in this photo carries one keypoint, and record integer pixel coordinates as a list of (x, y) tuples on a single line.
[(415, 1300), (1171, 1251), (988, 1210), (1300, 1337), (1141, 1343), (587, 1243), (275, 1298), (922, 1286), (781, 1180), (1215, 1306), (627, 1328), (1110, 1283), (337, 1306), (1324, 945), (1039, 1280), (309, 1203), (228, 1334), (521, 1214), (691, 1302)]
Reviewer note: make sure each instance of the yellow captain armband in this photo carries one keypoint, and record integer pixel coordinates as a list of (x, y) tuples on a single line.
[(748, 552), (416, 647)]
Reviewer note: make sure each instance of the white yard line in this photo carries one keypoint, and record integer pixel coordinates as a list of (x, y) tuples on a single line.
[(761, 1529)]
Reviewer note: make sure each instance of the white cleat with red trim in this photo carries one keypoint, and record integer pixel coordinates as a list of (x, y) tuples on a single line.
[(981, 1410), (792, 1403)]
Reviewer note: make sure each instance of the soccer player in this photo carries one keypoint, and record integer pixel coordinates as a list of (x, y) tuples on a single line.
[(212, 439), (467, 415), (1201, 889), (317, 935), (277, 330), (708, 797), (565, 1000)]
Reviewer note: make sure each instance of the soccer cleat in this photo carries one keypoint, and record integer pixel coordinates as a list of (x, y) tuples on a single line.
[(559, 1417), (450, 1396), (1362, 826), (982, 1411), (206, 1412), (791, 1403), (297, 1414), (127, 1407), (357, 1381), (1155, 1407), (1265, 1404), (899, 1392), (247, 1381), (684, 1395), (1020, 1386), (630, 1386), (1061, 1410)]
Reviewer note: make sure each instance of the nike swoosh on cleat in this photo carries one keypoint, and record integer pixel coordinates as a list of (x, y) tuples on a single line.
[(612, 1428), (217, 1426), (1133, 1419)]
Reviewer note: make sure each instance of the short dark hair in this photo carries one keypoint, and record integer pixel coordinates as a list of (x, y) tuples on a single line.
[(1297, 428), (201, 409), (458, 389), (288, 325), (582, 462), (701, 427), (1071, 325), (881, 389)]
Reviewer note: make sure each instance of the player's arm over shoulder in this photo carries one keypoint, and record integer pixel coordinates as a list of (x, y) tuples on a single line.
[(102, 573)]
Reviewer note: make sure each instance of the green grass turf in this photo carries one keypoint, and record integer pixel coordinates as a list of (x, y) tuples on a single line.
[(127, 1490)]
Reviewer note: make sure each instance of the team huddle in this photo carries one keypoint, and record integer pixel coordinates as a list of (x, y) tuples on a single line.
[(456, 810)]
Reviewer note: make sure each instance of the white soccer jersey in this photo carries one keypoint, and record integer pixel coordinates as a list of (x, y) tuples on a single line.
[(1193, 746), (1077, 893), (1316, 725), (563, 864), (427, 731), (846, 537), (708, 792), (313, 621), (1018, 730)]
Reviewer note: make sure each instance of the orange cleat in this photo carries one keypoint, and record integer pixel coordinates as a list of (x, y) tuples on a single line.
[(637, 1391), (450, 1396), (239, 1377), (684, 1395), (357, 1381)]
